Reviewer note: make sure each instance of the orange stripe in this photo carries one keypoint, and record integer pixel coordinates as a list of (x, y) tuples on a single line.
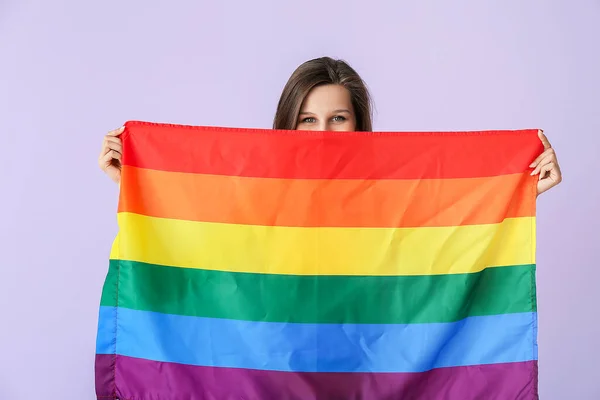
[(334, 203)]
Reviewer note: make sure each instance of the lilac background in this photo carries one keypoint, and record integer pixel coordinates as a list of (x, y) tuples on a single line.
[(71, 70)]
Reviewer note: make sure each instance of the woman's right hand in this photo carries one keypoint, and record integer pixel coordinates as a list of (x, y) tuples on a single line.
[(110, 156)]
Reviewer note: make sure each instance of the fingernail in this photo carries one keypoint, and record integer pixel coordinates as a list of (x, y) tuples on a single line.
[(121, 129), (531, 165)]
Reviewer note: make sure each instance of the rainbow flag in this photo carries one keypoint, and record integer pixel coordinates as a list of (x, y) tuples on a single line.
[(262, 264)]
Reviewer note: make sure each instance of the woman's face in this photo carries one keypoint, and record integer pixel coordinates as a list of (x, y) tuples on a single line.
[(327, 108)]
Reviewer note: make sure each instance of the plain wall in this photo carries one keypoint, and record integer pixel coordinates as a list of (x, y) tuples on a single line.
[(72, 70)]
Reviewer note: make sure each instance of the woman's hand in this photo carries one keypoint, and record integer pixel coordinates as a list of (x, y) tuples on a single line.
[(546, 166), (110, 156)]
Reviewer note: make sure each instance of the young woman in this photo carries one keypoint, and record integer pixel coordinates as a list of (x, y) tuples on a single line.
[(328, 95)]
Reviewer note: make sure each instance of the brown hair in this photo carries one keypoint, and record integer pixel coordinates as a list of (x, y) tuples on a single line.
[(322, 71)]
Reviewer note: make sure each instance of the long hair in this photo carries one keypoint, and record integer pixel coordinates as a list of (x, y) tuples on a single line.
[(322, 71)]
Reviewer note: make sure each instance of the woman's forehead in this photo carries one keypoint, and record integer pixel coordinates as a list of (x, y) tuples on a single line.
[(327, 98)]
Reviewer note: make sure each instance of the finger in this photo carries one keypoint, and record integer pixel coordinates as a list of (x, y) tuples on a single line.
[(544, 139), (542, 159), (542, 162), (550, 176), (116, 132), (104, 159), (547, 171), (539, 158), (112, 145), (108, 158), (106, 146), (545, 184), (115, 139), (106, 151)]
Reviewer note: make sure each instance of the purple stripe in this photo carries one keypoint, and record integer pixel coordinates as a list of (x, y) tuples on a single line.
[(105, 376), (138, 379)]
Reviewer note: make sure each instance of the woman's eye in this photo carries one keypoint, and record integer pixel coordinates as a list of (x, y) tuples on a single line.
[(308, 120), (339, 118)]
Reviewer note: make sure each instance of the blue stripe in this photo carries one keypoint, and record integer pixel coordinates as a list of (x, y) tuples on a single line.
[(105, 337), (319, 347)]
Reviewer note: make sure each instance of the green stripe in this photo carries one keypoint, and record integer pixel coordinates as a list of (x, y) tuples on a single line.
[(322, 299)]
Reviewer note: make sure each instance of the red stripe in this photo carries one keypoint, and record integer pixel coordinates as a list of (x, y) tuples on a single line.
[(144, 380), (326, 155)]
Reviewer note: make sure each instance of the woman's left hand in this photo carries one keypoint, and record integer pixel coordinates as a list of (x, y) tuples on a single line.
[(546, 166)]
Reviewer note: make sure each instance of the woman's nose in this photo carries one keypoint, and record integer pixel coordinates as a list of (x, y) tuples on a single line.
[(324, 126)]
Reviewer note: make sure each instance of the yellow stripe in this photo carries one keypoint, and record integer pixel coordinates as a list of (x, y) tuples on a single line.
[(324, 251)]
